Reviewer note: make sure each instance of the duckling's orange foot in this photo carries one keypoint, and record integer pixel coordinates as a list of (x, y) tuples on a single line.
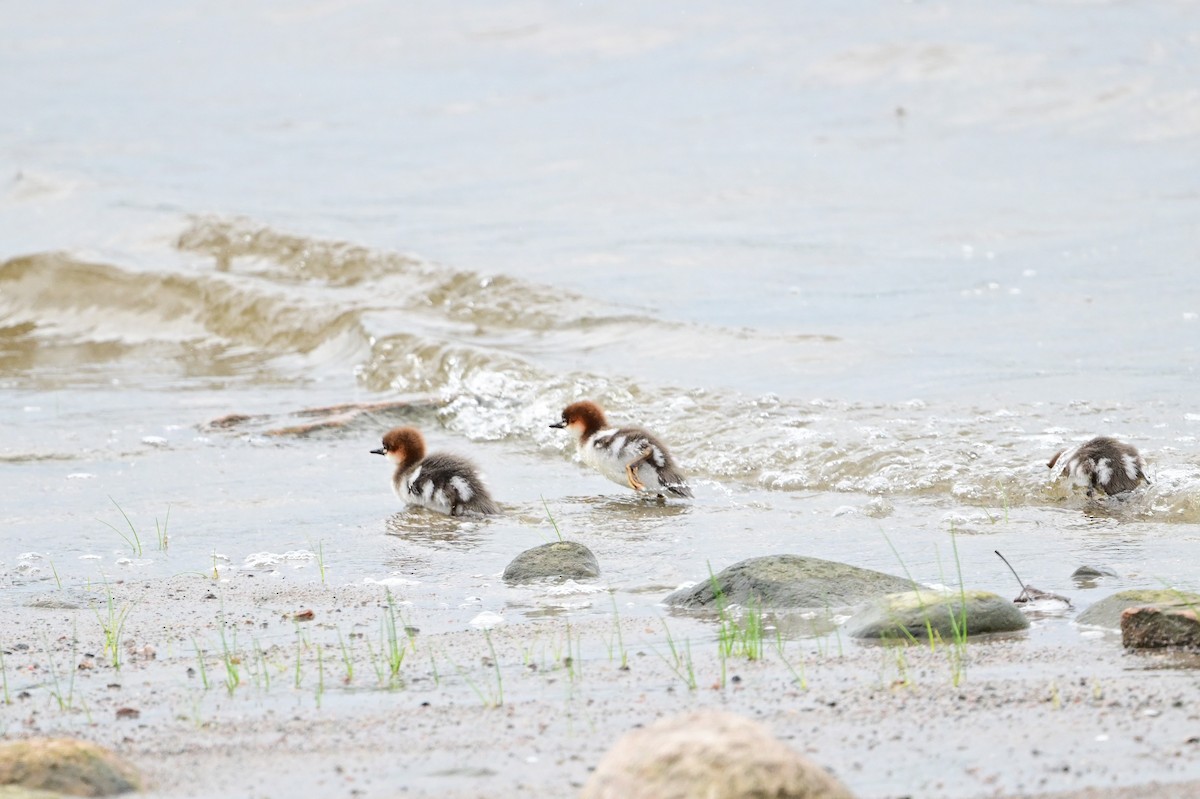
[(634, 483)]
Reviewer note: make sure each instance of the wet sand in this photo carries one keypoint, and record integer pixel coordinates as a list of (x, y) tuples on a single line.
[(528, 709)]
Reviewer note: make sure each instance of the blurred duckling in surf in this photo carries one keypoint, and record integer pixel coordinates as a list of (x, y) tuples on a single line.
[(1101, 464), (629, 456), (444, 483)]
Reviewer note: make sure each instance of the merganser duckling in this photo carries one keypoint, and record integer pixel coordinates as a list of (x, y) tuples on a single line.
[(628, 456), (445, 483), (1102, 463)]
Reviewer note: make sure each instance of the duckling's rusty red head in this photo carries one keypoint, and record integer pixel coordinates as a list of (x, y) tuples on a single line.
[(582, 418), (402, 445)]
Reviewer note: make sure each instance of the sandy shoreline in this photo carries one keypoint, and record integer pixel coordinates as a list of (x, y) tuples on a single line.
[(1026, 719)]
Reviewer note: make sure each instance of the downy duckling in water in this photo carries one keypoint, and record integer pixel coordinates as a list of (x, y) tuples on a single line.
[(444, 483)]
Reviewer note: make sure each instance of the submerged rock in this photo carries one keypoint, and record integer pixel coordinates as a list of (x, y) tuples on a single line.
[(709, 753), (564, 560), (789, 581), (1107, 612), (1089, 576), (1088, 572), (917, 613), (1154, 628), (67, 766)]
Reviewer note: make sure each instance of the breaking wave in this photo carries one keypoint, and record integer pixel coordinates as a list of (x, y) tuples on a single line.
[(502, 356)]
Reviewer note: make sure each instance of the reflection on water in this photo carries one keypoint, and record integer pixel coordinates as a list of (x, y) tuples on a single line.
[(435, 530)]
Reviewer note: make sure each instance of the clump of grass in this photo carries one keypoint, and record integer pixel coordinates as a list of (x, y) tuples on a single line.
[(574, 659), (201, 667), (433, 669), (393, 649), (112, 623), (231, 659), (66, 702), (958, 621), (132, 540), (680, 661), (738, 634), (492, 697), (741, 634), (396, 650), (798, 677), (620, 638), (377, 664), (262, 666), (321, 560), (899, 649), (957, 652), (160, 532)]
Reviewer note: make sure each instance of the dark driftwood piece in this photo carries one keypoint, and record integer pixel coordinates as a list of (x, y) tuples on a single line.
[(1028, 592)]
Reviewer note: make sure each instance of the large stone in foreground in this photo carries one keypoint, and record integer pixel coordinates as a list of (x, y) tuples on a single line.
[(1154, 628), (710, 754), (922, 613), (562, 560), (1107, 612), (66, 765), (789, 581), (21, 792)]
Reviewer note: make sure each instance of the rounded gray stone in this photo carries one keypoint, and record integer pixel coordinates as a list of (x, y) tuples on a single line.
[(789, 581), (562, 560), (920, 613), (66, 766), (711, 754)]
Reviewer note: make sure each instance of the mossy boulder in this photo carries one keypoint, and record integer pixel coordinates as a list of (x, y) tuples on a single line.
[(1107, 612), (788, 581), (918, 613), (558, 560), (66, 766), (711, 754)]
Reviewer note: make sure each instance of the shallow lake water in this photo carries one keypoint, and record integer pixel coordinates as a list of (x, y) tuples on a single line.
[(864, 267)]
